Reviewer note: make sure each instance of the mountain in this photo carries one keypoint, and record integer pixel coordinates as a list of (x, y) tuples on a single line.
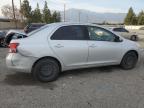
[(72, 15)]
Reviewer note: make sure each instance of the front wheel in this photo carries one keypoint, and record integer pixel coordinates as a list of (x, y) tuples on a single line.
[(129, 60), (46, 70)]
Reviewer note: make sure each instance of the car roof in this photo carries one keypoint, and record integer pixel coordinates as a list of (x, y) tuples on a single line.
[(2, 31), (52, 26), (16, 31), (59, 24)]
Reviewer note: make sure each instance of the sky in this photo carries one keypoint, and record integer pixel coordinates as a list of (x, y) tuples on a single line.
[(101, 6)]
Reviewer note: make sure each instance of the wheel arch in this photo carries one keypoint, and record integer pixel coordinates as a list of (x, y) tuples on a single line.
[(136, 52), (48, 57)]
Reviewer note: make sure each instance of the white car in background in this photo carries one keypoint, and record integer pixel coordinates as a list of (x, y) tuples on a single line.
[(65, 46), (125, 33)]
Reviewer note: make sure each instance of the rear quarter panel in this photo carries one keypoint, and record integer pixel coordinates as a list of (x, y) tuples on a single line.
[(36, 45)]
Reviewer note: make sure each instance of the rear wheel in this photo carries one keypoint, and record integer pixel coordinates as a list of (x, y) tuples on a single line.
[(134, 38), (129, 60), (46, 70)]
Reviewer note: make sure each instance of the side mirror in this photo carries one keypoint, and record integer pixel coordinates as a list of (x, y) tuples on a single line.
[(118, 39)]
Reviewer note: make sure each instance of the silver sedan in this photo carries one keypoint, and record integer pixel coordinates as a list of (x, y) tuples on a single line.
[(65, 46)]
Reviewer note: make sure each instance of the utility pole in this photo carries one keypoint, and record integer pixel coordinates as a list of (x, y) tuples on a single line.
[(64, 12), (87, 18), (20, 3), (22, 12), (14, 14)]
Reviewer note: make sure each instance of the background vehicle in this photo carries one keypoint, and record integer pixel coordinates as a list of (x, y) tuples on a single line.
[(33, 26), (142, 28), (64, 46), (125, 33), (13, 34), (2, 37)]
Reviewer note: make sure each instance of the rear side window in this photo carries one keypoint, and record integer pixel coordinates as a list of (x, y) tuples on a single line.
[(117, 29), (120, 30), (74, 32)]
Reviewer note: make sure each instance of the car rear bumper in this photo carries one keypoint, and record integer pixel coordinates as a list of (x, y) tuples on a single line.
[(19, 63)]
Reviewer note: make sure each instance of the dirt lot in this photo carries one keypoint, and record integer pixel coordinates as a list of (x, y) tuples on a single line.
[(105, 87)]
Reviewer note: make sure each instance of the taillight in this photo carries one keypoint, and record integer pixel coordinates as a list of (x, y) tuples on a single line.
[(13, 47)]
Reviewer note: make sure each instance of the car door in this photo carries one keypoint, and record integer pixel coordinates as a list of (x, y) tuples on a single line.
[(125, 33), (102, 46), (121, 31), (70, 44)]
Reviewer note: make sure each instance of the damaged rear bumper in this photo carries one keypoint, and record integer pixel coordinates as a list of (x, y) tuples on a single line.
[(19, 63)]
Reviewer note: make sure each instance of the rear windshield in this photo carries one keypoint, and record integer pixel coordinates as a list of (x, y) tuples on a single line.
[(37, 30)]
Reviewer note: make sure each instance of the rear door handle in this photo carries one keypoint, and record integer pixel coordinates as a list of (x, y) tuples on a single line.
[(59, 46)]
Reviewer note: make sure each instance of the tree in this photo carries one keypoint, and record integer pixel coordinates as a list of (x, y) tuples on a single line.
[(105, 22), (141, 18), (131, 18), (56, 17), (26, 10), (7, 11), (134, 20), (37, 16), (46, 14)]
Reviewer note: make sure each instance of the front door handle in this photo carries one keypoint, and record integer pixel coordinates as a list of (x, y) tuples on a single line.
[(92, 46), (59, 46)]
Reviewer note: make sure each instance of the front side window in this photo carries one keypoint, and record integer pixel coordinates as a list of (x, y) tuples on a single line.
[(100, 34), (74, 32)]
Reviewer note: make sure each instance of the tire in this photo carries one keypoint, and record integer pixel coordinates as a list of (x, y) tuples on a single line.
[(129, 60), (134, 38), (46, 70), (2, 44)]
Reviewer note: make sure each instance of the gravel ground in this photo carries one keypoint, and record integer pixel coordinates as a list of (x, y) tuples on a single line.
[(105, 87)]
